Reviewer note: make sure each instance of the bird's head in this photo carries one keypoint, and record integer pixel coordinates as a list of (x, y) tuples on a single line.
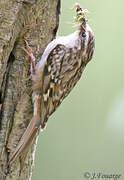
[(86, 34)]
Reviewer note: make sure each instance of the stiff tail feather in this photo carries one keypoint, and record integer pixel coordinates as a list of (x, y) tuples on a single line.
[(26, 140), (29, 135)]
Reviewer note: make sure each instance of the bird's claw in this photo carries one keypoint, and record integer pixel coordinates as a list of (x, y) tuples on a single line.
[(28, 51)]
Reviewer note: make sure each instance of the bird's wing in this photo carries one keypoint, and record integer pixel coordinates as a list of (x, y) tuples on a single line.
[(50, 78), (59, 70)]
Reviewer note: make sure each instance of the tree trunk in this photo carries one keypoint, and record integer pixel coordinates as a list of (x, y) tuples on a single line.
[(35, 21)]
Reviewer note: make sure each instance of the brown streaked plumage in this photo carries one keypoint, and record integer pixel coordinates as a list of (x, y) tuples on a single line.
[(59, 69)]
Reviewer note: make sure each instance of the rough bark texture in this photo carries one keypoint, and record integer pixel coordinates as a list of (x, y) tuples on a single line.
[(35, 21)]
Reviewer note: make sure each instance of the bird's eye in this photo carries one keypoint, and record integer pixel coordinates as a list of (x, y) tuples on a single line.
[(84, 34)]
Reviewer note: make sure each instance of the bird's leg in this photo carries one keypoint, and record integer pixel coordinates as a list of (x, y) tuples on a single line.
[(28, 50)]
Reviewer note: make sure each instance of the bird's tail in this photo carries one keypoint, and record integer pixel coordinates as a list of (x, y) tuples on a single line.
[(29, 135)]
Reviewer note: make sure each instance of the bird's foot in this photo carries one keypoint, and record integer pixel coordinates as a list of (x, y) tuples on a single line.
[(28, 50)]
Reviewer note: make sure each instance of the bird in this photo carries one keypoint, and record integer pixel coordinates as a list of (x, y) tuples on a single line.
[(55, 75)]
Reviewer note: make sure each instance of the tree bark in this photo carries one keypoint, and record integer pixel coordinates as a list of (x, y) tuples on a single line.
[(35, 21)]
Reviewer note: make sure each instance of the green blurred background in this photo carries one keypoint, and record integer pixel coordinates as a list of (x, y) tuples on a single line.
[(86, 133)]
